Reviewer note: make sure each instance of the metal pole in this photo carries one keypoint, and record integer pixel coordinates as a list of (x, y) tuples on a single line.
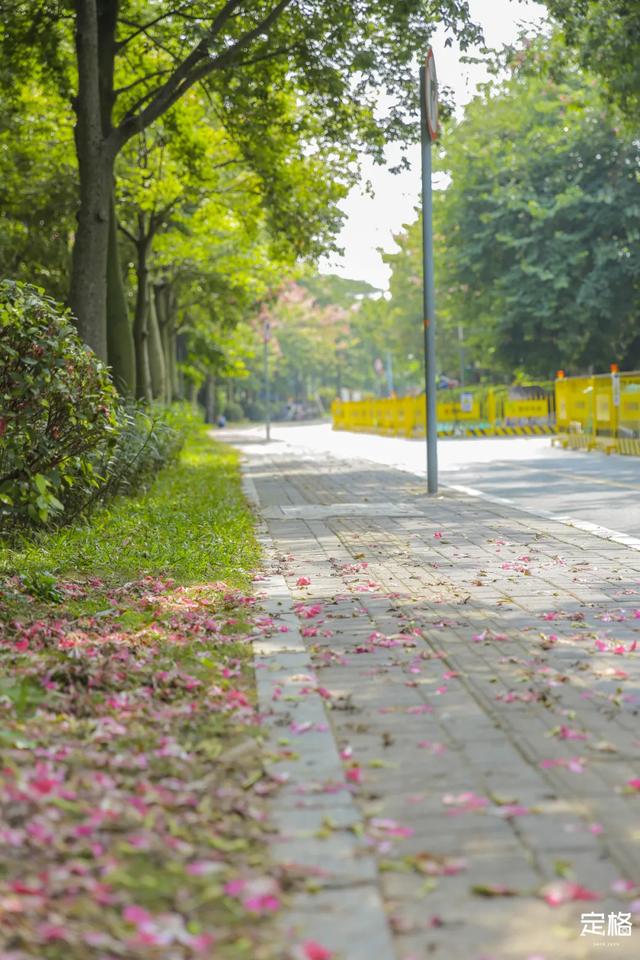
[(267, 396), (389, 374), (462, 358), (429, 298)]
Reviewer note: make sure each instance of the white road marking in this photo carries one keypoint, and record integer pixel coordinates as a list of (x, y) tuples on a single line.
[(489, 447), (598, 531)]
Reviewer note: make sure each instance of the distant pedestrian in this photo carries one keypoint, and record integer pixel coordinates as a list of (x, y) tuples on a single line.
[(222, 421)]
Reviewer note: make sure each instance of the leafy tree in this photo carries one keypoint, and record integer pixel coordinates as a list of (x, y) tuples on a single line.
[(214, 260), (404, 310), (542, 221), (606, 36), (38, 187), (536, 236), (359, 336), (332, 58), (164, 176), (401, 315), (184, 176), (389, 328), (304, 340)]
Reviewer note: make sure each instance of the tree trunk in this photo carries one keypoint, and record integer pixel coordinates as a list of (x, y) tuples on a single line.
[(120, 346), (165, 307), (180, 352), (216, 396), (156, 353), (141, 325), (156, 294), (210, 384), (174, 382), (96, 156), (170, 360), (175, 379)]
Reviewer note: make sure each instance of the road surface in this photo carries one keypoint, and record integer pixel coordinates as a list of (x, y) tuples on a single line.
[(595, 490)]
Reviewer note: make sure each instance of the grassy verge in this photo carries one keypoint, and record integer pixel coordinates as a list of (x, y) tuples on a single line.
[(192, 526), (131, 822)]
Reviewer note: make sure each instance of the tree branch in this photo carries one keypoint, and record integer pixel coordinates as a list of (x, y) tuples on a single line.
[(127, 233), (226, 163), (142, 100), (224, 14), (219, 21), (142, 29), (229, 55), (158, 218), (267, 56), (149, 76), (192, 69)]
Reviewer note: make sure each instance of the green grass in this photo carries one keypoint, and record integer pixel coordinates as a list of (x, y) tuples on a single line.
[(129, 667), (193, 525)]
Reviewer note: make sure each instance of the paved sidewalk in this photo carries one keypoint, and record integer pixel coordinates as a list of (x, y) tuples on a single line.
[(476, 788)]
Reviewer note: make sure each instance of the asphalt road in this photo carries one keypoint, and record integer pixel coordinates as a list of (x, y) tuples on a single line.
[(591, 488)]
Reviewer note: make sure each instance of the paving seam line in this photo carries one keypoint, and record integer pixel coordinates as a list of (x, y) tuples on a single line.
[(604, 533), (357, 917), (619, 853)]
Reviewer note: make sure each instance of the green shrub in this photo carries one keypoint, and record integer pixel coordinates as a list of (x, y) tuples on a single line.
[(148, 439), (233, 411), (67, 442), (183, 416), (57, 405)]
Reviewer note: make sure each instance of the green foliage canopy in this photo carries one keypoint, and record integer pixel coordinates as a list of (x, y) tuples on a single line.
[(537, 233), (38, 187), (541, 221), (606, 37), (136, 60)]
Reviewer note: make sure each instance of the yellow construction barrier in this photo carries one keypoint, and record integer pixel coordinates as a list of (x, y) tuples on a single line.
[(481, 411), (601, 412)]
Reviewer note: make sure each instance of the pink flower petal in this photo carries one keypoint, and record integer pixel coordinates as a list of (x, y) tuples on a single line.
[(556, 894), (136, 915), (234, 887), (312, 950)]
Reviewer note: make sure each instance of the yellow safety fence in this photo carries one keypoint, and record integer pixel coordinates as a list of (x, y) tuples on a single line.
[(482, 411), (599, 413)]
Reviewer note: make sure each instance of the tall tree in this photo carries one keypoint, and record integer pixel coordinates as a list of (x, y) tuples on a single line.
[(205, 225), (536, 235), (335, 57), (542, 220)]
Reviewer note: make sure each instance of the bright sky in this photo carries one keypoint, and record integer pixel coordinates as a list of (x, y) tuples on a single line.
[(372, 221)]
